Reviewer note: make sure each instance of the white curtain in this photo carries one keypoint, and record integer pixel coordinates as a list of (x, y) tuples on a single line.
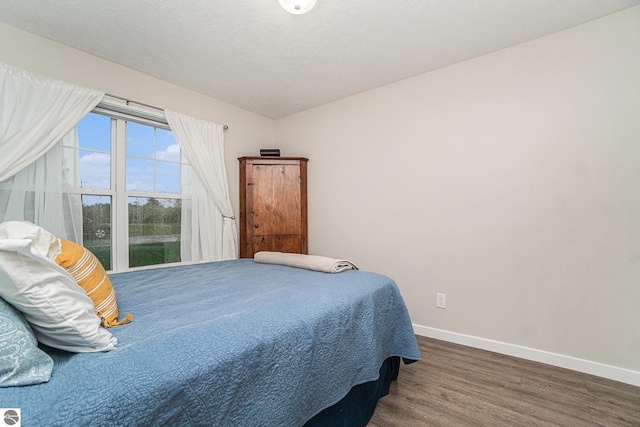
[(38, 193), (36, 112), (211, 214)]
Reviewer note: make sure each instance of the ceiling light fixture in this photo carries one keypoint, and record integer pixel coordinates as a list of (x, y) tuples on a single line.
[(297, 7)]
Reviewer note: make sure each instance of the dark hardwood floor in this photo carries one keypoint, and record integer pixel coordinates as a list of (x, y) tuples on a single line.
[(455, 385)]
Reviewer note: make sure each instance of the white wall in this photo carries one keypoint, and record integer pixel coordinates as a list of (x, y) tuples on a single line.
[(247, 131), (510, 182)]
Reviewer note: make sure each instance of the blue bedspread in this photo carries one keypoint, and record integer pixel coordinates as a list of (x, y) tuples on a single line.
[(231, 343)]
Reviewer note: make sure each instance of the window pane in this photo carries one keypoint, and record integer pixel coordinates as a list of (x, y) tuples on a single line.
[(168, 177), (89, 164), (140, 174), (167, 147), (154, 231), (140, 140), (94, 132), (96, 227), (95, 170)]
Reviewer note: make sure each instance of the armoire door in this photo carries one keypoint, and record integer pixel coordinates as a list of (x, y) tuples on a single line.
[(273, 205)]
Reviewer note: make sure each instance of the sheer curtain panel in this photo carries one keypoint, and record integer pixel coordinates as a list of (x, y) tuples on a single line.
[(40, 192), (215, 232), (35, 113)]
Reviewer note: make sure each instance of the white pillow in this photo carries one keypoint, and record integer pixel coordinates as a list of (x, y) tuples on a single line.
[(58, 310), (42, 241)]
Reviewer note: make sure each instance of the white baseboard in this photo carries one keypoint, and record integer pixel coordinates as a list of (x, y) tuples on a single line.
[(593, 368)]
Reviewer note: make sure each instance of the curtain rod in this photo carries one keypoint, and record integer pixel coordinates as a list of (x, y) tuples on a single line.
[(129, 102)]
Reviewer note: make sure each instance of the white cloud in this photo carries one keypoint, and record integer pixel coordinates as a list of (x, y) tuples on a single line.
[(171, 154), (95, 170)]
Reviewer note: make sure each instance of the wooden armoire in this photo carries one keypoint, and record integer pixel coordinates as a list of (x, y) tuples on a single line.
[(273, 205)]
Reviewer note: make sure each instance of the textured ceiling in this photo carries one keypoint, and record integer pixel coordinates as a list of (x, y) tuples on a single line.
[(252, 54)]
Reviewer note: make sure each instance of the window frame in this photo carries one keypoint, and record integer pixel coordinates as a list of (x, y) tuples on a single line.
[(120, 112)]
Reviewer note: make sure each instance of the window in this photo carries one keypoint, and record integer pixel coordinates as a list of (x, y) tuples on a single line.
[(130, 181), (117, 180)]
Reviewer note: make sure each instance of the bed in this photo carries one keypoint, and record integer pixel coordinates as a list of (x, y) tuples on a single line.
[(232, 343)]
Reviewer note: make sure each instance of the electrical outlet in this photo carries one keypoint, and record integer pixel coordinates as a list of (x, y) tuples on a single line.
[(441, 300)]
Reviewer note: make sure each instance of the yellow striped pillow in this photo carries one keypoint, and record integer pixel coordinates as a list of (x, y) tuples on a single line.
[(89, 273)]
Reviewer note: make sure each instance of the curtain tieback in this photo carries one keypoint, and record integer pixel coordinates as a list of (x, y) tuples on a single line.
[(229, 217)]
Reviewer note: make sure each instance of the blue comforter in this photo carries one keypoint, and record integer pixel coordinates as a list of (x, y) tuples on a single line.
[(231, 343)]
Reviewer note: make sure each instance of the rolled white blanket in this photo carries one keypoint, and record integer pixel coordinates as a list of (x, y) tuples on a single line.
[(310, 262)]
